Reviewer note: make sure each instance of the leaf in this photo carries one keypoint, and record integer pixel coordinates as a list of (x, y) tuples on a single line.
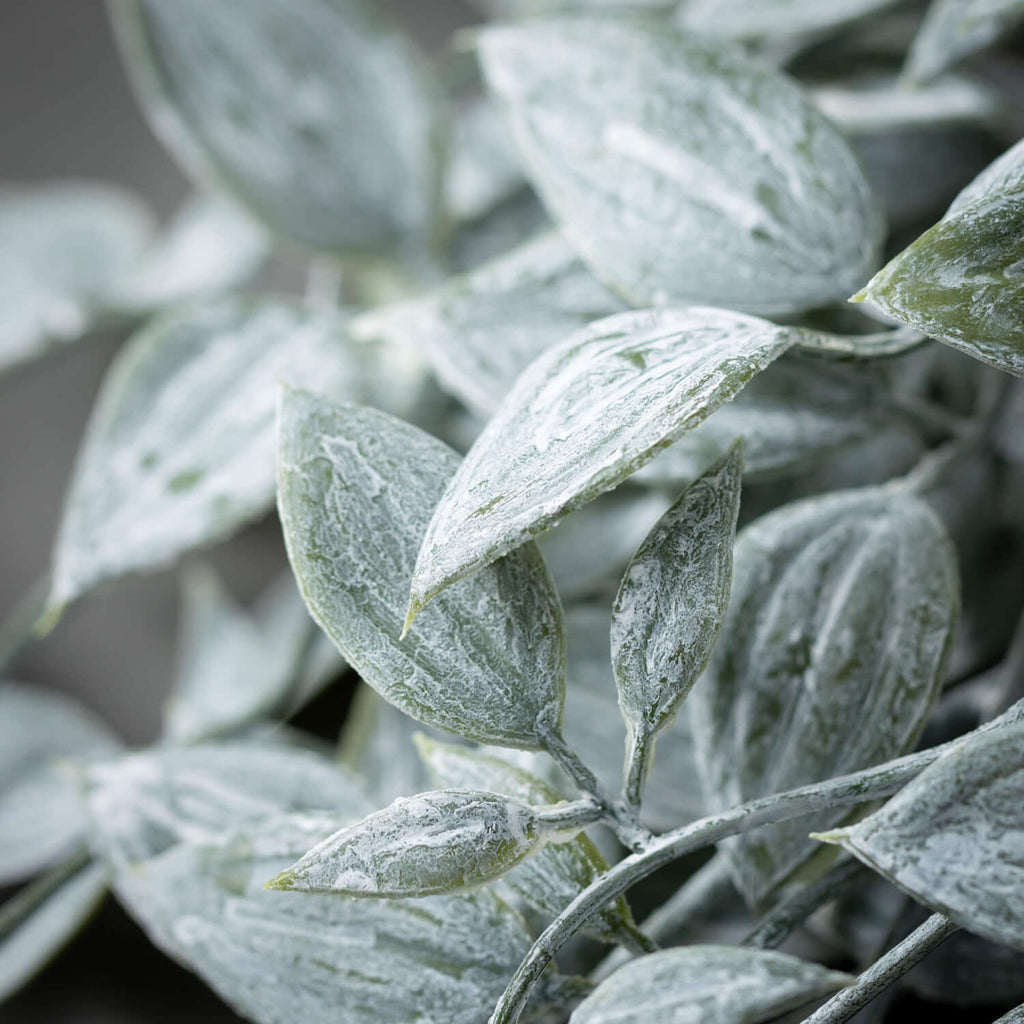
[(525, 8), (962, 281), (773, 19), (670, 607), (580, 420), (1002, 176), (556, 873), (1015, 1016), (679, 169), (952, 837), (37, 923), (482, 330), (954, 29), (830, 659), (321, 119), (709, 984), (179, 450), (356, 488), (41, 818), (64, 248)]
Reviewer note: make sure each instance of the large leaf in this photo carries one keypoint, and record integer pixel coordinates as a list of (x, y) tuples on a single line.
[(41, 817), (318, 116), (580, 420), (709, 984), (670, 607), (767, 19), (682, 171), (962, 282), (180, 448), (1002, 176), (952, 838), (829, 661), (356, 490)]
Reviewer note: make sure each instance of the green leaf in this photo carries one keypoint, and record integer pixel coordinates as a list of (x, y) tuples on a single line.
[(681, 170), (41, 819), (180, 448), (580, 420), (64, 249), (773, 19), (321, 119), (558, 872), (962, 281), (710, 984), (951, 838), (356, 489), (830, 659), (954, 29), (422, 845), (670, 607)]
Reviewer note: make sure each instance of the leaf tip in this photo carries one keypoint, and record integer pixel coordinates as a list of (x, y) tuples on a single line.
[(415, 607), (284, 882), (835, 838)]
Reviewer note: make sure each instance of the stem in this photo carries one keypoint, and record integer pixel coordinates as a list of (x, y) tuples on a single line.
[(881, 974), (570, 817), (640, 748)]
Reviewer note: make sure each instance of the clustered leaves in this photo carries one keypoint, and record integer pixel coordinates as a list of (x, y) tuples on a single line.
[(632, 539)]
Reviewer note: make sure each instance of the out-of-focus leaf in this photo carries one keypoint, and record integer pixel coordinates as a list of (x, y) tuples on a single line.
[(319, 117), (180, 448), (952, 838), (1002, 176), (581, 419), (670, 607), (772, 19), (954, 29), (356, 490), (64, 249), (829, 661), (679, 169), (481, 331), (969, 971), (41, 818), (525, 8), (709, 984)]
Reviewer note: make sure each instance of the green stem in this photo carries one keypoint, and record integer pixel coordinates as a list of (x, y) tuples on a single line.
[(639, 749)]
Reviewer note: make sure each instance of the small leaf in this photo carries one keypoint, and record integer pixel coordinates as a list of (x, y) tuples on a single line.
[(580, 420), (962, 281), (355, 495), (321, 119), (180, 448), (774, 19), (422, 845), (670, 607), (830, 658), (709, 984), (952, 838), (679, 169)]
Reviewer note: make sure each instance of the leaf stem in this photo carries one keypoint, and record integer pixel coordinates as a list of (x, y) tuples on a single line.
[(881, 974), (570, 817), (639, 749)]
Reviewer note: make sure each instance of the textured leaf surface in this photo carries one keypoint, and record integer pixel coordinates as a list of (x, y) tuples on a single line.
[(680, 170), (962, 281), (953, 838), (709, 985), (580, 420), (829, 660), (767, 19), (356, 490), (320, 118), (1002, 176), (41, 817), (180, 448)]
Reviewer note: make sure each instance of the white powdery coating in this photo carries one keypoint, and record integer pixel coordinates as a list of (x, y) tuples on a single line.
[(320, 118), (707, 985), (682, 171), (356, 491), (954, 838), (756, 19), (180, 448), (829, 660), (581, 419)]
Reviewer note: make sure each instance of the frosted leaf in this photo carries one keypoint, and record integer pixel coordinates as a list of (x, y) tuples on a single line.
[(679, 169), (952, 839), (41, 817), (180, 448), (356, 489), (830, 659), (582, 418), (64, 247), (481, 331), (670, 606), (320, 118), (1002, 176), (707, 985), (773, 19), (954, 29), (1015, 1016)]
